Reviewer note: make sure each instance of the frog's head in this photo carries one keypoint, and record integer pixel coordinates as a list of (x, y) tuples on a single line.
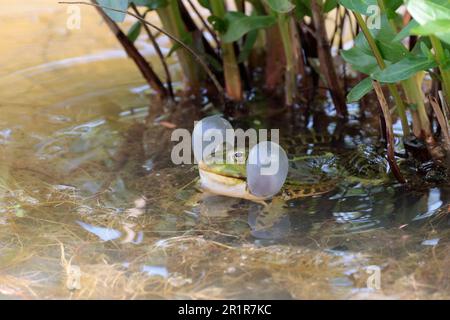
[(238, 173), (225, 173)]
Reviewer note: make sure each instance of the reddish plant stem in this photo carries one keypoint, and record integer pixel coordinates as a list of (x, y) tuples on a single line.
[(299, 56), (389, 133), (326, 61), (144, 67), (158, 52), (275, 59)]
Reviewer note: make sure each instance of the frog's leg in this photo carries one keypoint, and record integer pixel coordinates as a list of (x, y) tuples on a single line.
[(197, 198), (302, 191), (197, 194)]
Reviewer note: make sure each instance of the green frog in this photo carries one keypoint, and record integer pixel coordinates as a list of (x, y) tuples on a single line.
[(234, 175), (361, 165)]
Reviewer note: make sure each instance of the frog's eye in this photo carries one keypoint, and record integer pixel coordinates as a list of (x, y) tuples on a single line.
[(239, 157), (267, 168), (209, 136)]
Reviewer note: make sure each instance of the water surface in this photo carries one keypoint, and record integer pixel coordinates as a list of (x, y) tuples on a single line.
[(92, 207)]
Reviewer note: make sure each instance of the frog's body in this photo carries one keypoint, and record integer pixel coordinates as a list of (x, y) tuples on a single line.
[(360, 165), (215, 181)]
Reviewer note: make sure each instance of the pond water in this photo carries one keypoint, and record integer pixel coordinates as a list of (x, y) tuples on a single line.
[(91, 205)]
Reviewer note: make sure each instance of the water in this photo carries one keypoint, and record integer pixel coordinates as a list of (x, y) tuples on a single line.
[(92, 207)]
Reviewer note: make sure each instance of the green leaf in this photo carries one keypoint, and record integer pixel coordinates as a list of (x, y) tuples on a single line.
[(360, 6), (406, 31), (433, 16), (239, 24), (360, 90), (134, 31), (359, 60), (329, 5), (391, 7), (440, 28), (280, 6), (205, 4), (426, 51), (419, 46), (432, 27), (302, 9), (425, 11), (404, 69), (393, 4), (114, 4), (246, 49), (390, 50), (218, 24)]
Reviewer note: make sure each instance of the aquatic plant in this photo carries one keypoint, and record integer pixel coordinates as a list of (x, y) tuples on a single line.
[(401, 45)]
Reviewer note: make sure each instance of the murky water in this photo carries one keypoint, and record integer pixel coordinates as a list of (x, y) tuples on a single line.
[(92, 207)]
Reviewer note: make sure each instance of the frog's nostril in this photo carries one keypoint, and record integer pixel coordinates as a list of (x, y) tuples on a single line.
[(267, 168)]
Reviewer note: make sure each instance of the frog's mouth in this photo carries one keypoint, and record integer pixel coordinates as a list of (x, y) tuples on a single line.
[(223, 185)]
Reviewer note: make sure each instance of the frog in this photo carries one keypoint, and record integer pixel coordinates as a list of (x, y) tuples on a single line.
[(362, 165), (229, 178), (309, 175), (307, 172)]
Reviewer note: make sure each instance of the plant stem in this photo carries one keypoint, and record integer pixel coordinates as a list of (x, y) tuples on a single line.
[(158, 52), (231, 69), (205, 46), (415, 95), (284, 27), (383, 10), (195, 56), (389, 133), (392, 88), (442, 120), (299, 56), (171, 19), (413, 89), (142, 64), (326, 61), (275, 59), (440, 57), (204, 23)]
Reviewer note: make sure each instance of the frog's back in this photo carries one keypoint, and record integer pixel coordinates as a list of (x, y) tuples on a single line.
[(364, 162)]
